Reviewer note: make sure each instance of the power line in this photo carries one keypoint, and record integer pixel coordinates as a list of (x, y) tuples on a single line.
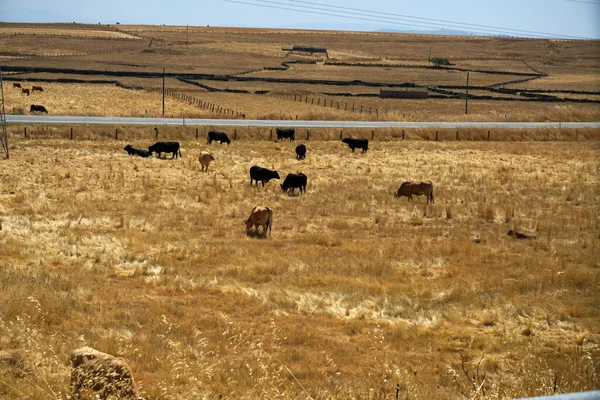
[(582, 1), (436, 21), (389, 18)]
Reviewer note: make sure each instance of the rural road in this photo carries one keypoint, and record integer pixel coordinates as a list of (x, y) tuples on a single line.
[(69, 120)]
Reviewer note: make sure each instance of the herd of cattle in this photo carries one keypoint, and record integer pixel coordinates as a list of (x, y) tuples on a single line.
[(263, 216), (34, 108)]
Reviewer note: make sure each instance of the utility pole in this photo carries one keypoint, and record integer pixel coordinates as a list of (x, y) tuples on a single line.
[(4, 137), (187, 27), (467, 96), (163, 92)]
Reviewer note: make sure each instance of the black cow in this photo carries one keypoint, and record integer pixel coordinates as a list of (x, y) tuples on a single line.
[(132, 151), (165, 147), (300, 152), (38, 108), (262, 174), (357, 143), (218, 136), (293, 181), (286, 133)]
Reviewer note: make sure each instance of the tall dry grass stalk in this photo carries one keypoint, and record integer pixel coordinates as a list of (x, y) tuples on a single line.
[(355, 292)]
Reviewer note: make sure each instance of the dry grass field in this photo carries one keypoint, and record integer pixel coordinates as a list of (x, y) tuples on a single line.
[(356, 293)]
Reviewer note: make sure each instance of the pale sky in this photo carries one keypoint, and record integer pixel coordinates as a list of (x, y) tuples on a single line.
[(529, 18)]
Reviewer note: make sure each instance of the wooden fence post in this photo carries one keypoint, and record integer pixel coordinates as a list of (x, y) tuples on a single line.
[(436, 136), (25, 132), (71, 133), (341, 135), (270, 134), (235, 134), (457, 135), (156, 132), (488, 136), (116, 133), (402, 134), (372, 135), (307, 134), (196, 133)]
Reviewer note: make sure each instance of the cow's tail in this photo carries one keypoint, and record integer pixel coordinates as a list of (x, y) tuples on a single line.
[(179, 151), (431, 195), (270, 220)]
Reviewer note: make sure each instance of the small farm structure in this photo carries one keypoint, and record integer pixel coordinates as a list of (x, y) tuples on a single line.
[(306, 49), (403, 93)]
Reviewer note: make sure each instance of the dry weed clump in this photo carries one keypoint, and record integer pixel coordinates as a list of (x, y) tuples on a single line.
[(356, 291)]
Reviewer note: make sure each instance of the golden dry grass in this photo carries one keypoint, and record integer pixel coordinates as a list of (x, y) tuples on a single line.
[(98, 33), (110, 100), (355, 292)]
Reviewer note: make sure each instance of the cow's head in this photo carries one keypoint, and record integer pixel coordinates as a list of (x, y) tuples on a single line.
[(401, 190)]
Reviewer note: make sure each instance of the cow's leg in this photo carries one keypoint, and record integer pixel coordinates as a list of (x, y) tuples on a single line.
[(75, 385)]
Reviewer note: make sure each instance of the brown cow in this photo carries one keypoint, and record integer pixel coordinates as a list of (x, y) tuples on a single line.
[(417, 188), (262, 216), (38, 88), (25, 91), (102, 373), (17, 85), (205, 158)]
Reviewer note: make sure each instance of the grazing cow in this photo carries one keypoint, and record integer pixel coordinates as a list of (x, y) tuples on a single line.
[(417, 188), (262, 174), (17, 85), (293, 181), (218, 136), (103, 373), (205, 158), (300, 152), (25, 91), (165, 147), (38, 88), (288, 133), (132, 151), (357, 143), (520, 235), (262, 216), (37, 108)]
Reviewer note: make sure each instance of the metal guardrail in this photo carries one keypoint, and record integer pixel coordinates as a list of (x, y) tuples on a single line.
[(65, 120), (593, 395)]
